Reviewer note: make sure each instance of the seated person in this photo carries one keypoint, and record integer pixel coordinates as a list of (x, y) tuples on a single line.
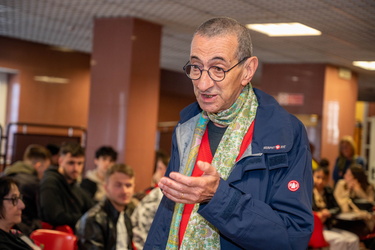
[(106, 225), (144, 213), (28, 174), (326, 207), (105, 157), (62, 201), (160, 166), (355, 186), (11, 206)]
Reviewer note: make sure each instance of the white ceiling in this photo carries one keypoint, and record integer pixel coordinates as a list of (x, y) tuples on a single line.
[(348, 27)]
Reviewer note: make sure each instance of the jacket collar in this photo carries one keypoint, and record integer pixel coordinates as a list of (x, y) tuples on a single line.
[(272, 130), (111, 210)]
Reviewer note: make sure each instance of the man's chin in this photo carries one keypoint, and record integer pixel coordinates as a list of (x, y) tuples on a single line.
[(72, 178), (208, 108)]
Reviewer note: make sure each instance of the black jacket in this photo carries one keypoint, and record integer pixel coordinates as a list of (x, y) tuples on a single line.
[(62, 203), (97, 228), (9, 241)]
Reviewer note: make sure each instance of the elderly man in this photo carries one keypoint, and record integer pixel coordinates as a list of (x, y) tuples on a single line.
[(240, 172)]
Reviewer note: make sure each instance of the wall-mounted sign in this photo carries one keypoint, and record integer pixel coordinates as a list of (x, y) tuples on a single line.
[(290, 99)]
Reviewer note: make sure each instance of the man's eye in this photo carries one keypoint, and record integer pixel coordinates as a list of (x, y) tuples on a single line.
[(216, 69)]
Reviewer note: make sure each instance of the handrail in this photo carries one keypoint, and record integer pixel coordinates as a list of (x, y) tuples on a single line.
[(69, 128)]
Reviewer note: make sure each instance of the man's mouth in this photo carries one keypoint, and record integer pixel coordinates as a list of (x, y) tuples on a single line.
[(208, 96)]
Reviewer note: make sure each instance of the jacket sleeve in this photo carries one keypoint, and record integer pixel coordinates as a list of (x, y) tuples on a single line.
[(282, 220), (89, 234)]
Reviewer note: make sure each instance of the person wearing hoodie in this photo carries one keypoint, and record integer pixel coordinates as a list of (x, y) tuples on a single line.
[(28, 174)]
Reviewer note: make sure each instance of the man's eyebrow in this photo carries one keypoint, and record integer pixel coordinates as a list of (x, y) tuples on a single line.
[(194, 57)]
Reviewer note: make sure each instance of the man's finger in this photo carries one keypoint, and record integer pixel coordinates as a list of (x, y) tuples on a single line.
[(206, 167)]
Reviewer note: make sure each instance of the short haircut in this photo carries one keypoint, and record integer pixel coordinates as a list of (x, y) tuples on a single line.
[(35, 153), (74, 148), (106, 151), (5, 187), (227, 26), (119, 168)]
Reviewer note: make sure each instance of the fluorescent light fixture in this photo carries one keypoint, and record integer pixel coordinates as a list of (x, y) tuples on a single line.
[(284, 29), (50, 79), (369, 65)]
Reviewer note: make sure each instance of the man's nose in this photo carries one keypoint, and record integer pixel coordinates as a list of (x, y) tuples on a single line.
[(204, 82)]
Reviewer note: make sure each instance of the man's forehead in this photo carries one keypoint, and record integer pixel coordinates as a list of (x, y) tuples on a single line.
[(74, 158), (216, 47), (119, 176)]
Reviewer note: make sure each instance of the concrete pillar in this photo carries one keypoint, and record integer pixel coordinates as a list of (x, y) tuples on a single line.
[(124, 93)]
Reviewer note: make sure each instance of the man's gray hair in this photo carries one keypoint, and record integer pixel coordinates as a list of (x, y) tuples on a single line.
[(226, 26)]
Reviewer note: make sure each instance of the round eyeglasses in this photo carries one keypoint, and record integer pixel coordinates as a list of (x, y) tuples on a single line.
[(14, 200), (194, 72)]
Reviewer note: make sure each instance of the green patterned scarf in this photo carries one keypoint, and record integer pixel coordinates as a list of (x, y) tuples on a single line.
[(200, 234)]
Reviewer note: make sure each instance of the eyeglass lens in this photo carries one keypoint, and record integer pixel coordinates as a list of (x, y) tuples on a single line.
[(14, 200), (194, 72)]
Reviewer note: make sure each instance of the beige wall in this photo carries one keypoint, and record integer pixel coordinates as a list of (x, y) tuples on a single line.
[(340, 96), (38, 102)]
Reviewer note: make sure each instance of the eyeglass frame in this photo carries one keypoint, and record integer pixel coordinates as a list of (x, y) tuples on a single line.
[(14, 200), (208, 72)]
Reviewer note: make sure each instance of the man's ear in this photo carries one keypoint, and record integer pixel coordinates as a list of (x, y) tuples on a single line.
[(37, 165), (251, 65)]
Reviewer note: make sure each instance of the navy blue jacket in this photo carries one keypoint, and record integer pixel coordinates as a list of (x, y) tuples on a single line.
[(266, 202)]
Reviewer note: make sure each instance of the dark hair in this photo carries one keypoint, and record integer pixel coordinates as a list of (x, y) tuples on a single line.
[(225, 26), (324, 162), (324, 169), (359, 173), (119, 168), (161, 155), (53, 149), (106, 151), (35, 152), (5, 187), (73, 148)]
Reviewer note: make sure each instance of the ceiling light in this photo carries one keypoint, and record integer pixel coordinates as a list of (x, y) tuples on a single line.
[(50, 79), (369, 65), (284, 29)]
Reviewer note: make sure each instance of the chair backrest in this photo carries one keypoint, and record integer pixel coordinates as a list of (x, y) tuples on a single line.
[(63, 228), (52, 239), (317, 238)]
